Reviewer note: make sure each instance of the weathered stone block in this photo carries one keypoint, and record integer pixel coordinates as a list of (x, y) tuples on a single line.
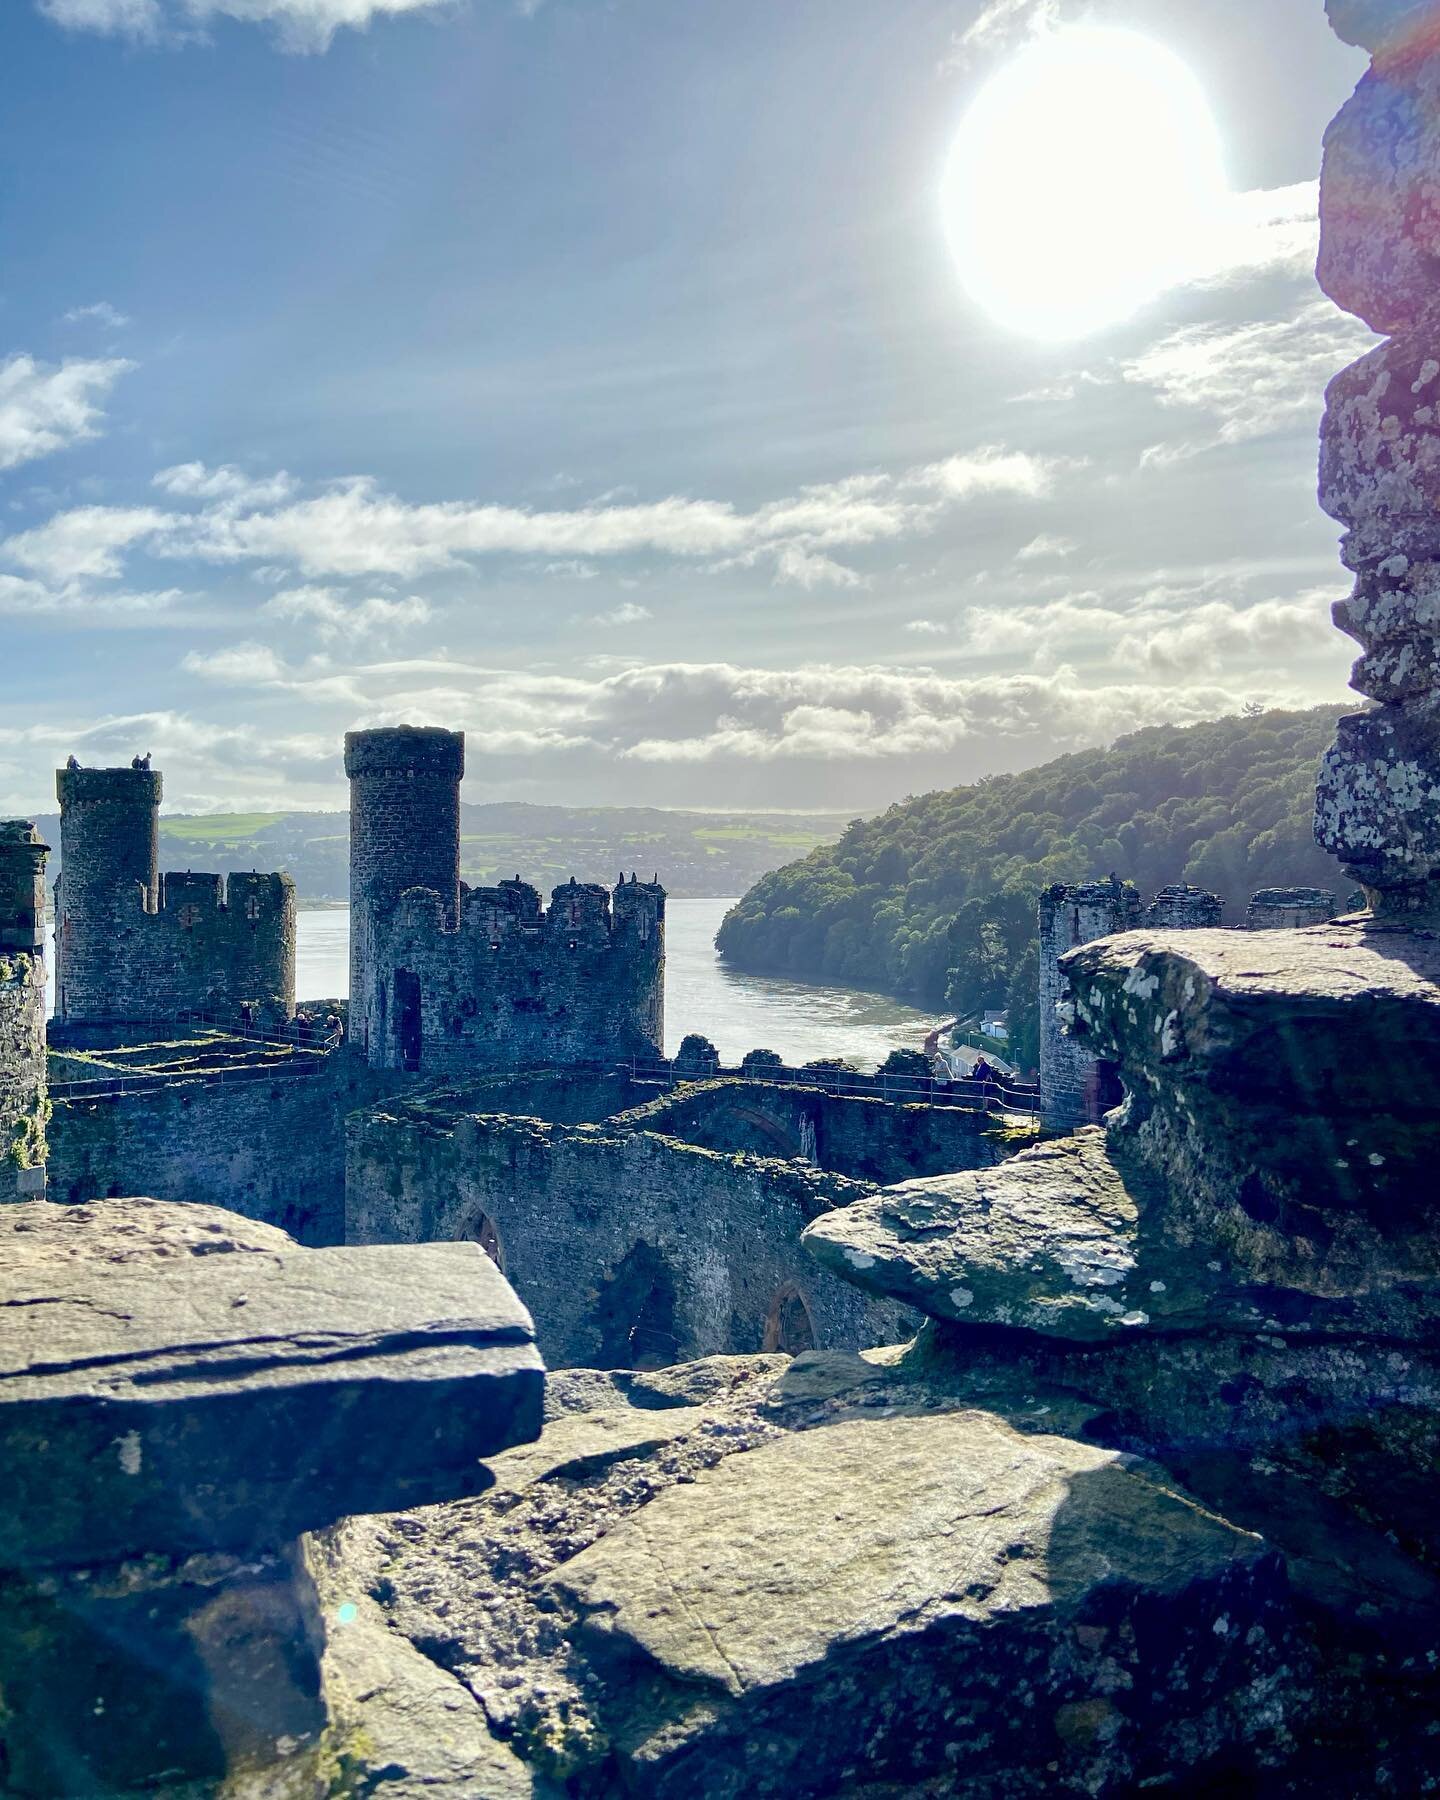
[(1380, 186), (1284, 1092), (194, 1403), (1377, 803)]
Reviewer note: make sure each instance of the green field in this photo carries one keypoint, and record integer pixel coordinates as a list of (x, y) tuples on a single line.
[(219, 828)]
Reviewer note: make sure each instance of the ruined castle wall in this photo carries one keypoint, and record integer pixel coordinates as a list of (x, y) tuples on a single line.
[(515, 985), (270, 1149), (858, 1136), (626, 1247), (1185, 908), (22, 1071), (22, 1009), (1287, 909), (133, 944), (1071, 1086)]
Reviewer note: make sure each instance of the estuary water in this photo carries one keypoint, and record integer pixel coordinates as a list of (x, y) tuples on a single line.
[(736, 1012)]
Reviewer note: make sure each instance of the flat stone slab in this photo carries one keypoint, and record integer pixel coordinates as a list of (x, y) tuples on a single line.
[(916, 1583), (187, 1402), (131, 1230)]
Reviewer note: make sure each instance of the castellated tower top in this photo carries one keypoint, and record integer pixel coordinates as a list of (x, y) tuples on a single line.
[(423, 750), (109, 787)]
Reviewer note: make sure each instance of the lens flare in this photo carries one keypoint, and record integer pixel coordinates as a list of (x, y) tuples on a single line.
[(1086, 178)]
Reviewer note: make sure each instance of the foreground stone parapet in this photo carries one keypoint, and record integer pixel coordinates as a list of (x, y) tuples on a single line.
[(765, 1589), (182, 1393), (213, 1402), (1271, 1171)]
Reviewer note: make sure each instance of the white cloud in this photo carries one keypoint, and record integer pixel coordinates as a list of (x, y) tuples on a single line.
[(1000, 23), (252, 665), (139, 19), (241, 665), (991, 470), (299, 25), (1046, 548), (102, 312), (572, 569), (1182, 633), (194, 481), (84, 542), (334, 615), (797, 567), (927, 628), (1253, 378), (353, 528), (1262, 231), (43, 408), (22, 597), (627, 613)]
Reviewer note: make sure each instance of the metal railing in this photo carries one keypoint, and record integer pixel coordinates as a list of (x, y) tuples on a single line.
[(110, 1087), (990, 1094)]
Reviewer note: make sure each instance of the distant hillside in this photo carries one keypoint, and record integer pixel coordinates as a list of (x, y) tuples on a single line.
[(697, 855), (934, 900)]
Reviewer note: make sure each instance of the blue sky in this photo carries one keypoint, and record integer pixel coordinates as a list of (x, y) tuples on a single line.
[(597, 377)]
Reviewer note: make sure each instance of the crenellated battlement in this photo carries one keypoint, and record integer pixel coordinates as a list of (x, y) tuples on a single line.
[(243, 899), (446, 978), (22, 887), (134, 943)]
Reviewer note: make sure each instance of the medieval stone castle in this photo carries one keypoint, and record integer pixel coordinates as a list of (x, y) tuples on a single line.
[(445, 978), (883, 1449)]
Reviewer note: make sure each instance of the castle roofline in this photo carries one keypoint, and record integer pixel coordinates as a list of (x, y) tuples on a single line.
[(405, 749), (116, 787)]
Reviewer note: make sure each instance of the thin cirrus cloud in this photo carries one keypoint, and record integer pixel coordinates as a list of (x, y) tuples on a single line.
[(354, 529), (47, 407), (1252, 378), (335, 615), (299, 26), (101, 313)]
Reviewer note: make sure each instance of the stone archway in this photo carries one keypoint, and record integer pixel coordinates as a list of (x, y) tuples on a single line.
[(783, 1143), (481, 1229), (635, 1313), (788, 1325)]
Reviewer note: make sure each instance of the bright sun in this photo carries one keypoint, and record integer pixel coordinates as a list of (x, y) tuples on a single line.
[(1085, 179)]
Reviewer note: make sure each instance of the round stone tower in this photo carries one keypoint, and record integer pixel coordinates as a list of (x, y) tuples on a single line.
[(404, 833), (109, 879)]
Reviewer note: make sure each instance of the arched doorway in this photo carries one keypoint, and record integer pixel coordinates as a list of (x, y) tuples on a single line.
[(481, 1230), (635, 1313), (788, 1325)]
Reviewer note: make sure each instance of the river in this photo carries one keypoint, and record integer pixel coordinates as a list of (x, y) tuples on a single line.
[(736, 1012)]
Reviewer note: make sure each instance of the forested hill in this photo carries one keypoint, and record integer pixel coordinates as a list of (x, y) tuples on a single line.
[(934, 900)]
